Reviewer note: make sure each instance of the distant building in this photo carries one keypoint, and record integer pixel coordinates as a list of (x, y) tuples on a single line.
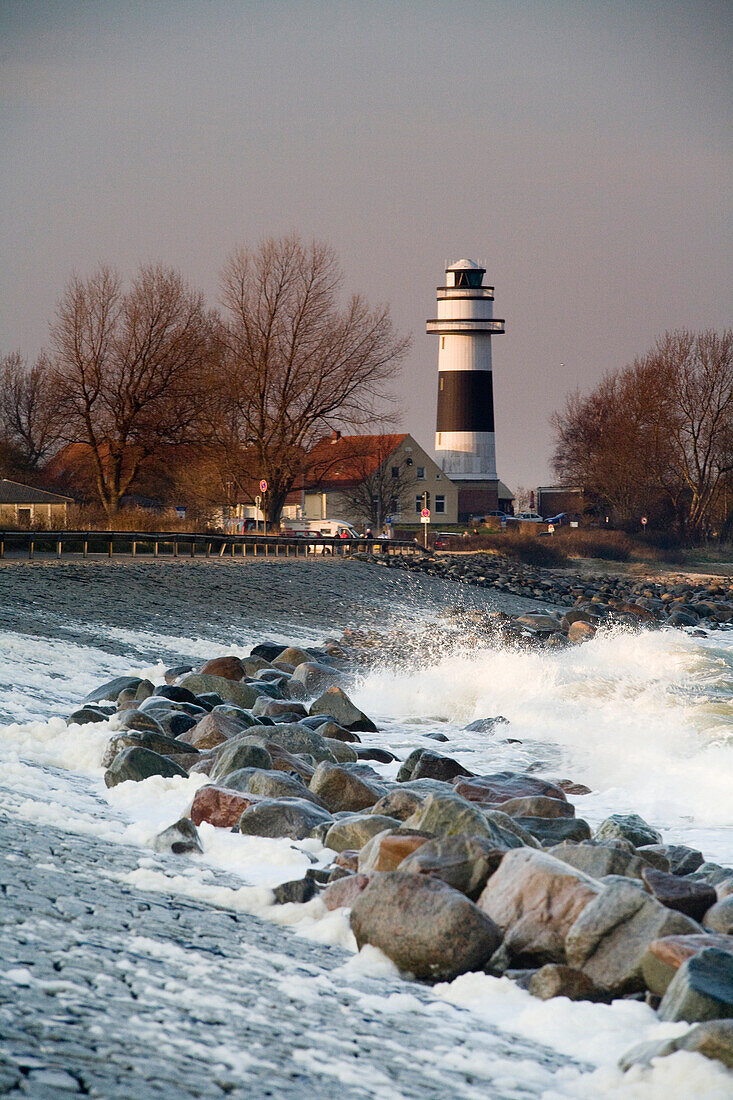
[(370, 480), (24, 505), (552, 500)]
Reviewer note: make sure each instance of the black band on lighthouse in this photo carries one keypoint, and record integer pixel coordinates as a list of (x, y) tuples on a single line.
[(465, 401)]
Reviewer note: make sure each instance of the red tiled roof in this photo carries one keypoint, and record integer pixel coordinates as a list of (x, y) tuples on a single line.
[(347, 461)]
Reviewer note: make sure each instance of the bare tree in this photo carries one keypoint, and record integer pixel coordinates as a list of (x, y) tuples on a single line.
[(29, 419), (661, 429), (130, 370), (373, 480), (297, 363)]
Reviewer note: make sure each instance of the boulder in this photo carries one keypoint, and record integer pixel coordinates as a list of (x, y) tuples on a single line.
[(291, 656), (340, 789), (535, 899), (139, 720), (241, 752), (486, 725), (85, 716), (463, 862), (713, 1039), (176, 694), (220, 806), (277, 784), (315, 677), (610, 937), (408, 765), (231, 668), (213, 729), (267, 651), (664, 957), (112, 689), (431, 765), (554, 830), (556, 980), (241, 694), (387, 850), (702, 989), (682, 860), (179, 839), (599, 859), (136, 764), (297, 891), (332, 731), (283, 817), (297, 739), (344, 891), (156, 742), (629, 827), (502, 786), (537, 806), (273, 708), (355, 830), (424, 926), (692, 898), (175, 673), (446, 815), (719, 917), (342, 752), (399, 803), (337, 704)]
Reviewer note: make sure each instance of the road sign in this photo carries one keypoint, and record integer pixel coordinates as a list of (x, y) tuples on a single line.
[(425, 515), (550, 528), (263, 486), (258, 501), (643, 521)]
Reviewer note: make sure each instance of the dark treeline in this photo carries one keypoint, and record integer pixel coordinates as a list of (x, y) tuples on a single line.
[(656, 438), (145, 391)]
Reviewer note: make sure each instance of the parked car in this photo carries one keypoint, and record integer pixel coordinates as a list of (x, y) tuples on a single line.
[(528, 517), (445, 539), (560, 520)]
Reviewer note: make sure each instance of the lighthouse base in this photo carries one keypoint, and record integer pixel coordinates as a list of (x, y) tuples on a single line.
[(476, 498)]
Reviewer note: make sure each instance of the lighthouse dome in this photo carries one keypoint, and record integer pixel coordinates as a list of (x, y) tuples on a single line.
[(465, 273)]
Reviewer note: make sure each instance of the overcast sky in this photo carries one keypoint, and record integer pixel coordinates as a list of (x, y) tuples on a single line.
[(580, 150)]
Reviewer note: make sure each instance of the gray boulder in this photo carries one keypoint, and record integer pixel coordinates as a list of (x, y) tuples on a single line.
[(431, 765), (112, 689), (446, 815), (610, 937), (283, 817), (399, 803), (295, 738), (702, 989), (244, 752), (351, 832), (156, 742), (692, 898), (232, 691), (463, 862), (179, 839), (557, 980), (425, 927), (85, 716), (682, 860), (629, 827), (337, 704), (719, 917), (599, 859), (554, 830), (713, 1039), (314, 676), (136, 763), (340, 789)]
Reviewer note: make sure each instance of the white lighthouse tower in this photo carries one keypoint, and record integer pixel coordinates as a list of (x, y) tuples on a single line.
[(464, 437)]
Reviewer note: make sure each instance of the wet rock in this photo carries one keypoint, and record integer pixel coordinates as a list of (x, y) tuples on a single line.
[(570, 787), (213, 729), (537, 806), (446, 815), (629, 827), (342, 752), (274, 708), (692, 898), (431, 765), (424, 926), (463, 862), (340, 789), (292, 655), (135, 764), (554, 830), (664, 957), (535, 900), (139, 720), (179, 839), (112, 689), (344, 892), (599, 859), (231, 691), (277, 784), (501, 786), (580, 632), (719, 917), (702, 989), (231, 668), (408, 765), (337, 704), (713, 1039), (556, 980), (610, 937), (220, 806), (382, 756), (283, 817), (298, 891), (176, 694), (486, 725), (386, 851), (175, 673), (242, 752), (315, 677), (334, 732), (354, 831), (681, 859), (298, 739), (85, 716), (156, 742), (399, 803)]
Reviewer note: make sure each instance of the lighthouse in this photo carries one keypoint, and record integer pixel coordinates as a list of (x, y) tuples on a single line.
[(464, 437)]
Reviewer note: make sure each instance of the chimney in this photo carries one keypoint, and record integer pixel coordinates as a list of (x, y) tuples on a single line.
[(335, 436)]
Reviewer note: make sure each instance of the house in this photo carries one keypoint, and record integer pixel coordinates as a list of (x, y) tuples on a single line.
[(24, 505), (370, 480), (554, 499)]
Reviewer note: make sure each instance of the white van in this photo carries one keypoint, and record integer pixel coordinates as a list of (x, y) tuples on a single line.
[(330, 528)]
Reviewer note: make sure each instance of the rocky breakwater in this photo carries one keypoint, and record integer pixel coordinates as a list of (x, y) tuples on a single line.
[(445, 871), (606, 599)]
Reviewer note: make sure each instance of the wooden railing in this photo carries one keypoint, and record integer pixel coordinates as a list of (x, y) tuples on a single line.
[(177, 544)]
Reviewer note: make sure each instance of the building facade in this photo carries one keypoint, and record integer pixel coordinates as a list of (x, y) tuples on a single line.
[(25, 506)]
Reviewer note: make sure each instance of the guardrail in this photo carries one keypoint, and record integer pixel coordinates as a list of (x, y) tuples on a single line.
[(176, 544)]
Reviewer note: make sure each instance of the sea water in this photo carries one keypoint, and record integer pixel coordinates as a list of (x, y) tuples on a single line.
[(644, 719)]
